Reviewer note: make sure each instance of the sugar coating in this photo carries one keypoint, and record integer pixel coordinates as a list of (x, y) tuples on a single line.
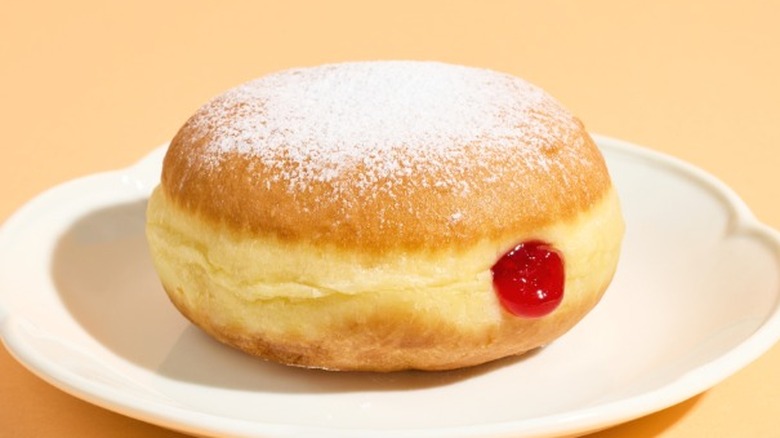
[(391, 118)]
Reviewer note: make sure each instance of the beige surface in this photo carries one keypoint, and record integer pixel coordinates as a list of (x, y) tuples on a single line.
[(92, 86)]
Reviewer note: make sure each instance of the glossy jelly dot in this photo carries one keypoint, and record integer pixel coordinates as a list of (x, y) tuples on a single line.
[(529, 279)]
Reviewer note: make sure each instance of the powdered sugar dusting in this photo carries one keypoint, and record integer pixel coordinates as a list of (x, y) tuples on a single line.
[(391, 118)]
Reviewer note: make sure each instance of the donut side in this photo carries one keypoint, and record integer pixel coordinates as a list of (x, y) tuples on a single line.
[(320, 305)]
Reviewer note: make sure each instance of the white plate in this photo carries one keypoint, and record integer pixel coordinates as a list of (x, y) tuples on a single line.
[(694, 300)]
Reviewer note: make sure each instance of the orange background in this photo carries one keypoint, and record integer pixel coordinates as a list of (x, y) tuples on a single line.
[(89, 86)]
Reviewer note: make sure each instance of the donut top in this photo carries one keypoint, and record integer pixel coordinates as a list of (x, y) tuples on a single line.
[(384, 154)]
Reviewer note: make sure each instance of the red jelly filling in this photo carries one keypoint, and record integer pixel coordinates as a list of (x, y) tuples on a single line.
[(529, 279)]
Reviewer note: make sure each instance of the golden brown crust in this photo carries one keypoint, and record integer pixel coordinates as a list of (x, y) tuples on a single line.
[(505, 194)]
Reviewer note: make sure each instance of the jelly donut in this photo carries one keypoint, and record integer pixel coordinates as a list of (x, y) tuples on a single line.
[(384, 216)]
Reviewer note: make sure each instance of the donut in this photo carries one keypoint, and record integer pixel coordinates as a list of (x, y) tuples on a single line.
[(384, 216)]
